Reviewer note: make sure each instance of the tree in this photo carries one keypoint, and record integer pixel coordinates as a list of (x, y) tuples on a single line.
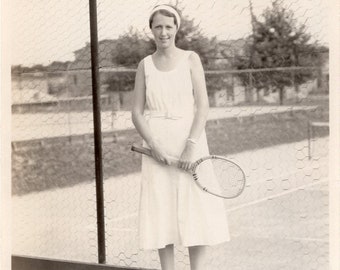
[(276, 41), (16, 69), (190, 37), (131, 48), (58, 66)]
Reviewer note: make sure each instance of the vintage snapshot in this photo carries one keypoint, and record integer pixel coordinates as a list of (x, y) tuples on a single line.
[(185, 134)]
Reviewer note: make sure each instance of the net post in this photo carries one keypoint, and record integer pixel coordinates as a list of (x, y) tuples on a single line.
[(97, 132)]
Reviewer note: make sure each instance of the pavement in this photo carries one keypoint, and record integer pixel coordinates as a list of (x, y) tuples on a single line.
[(279, 222), (30, 126)]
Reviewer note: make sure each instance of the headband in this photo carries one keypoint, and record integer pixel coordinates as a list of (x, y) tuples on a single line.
[(171, 10)]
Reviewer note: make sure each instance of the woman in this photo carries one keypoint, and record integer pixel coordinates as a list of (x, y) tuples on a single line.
[(170, 83)]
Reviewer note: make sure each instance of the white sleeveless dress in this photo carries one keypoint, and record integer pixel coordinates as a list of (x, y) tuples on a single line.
[(173, 210)]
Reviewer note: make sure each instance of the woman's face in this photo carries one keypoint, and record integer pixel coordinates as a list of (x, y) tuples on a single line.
[(164, 30)]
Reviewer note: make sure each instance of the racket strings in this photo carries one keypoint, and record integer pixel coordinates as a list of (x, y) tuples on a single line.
[(220, 177)]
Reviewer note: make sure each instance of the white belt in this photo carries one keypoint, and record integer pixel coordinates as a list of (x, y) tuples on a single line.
[(168, 115)]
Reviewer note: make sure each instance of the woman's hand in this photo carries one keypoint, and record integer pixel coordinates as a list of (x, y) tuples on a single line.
[(158, 153), (187, 157)]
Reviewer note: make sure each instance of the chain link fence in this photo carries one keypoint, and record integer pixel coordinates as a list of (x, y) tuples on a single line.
[(280, 221)]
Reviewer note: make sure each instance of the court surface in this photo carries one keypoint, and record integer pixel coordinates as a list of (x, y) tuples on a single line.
[(279, 222)]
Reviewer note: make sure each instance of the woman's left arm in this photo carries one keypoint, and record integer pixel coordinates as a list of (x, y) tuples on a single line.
[(202, 110)]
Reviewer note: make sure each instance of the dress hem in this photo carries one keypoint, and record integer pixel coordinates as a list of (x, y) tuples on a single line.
[(178, 244)]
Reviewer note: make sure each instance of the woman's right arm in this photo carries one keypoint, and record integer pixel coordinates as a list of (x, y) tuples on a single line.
[(138, 118)]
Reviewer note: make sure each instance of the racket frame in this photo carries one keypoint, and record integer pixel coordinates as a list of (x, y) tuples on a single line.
[(196, 177)]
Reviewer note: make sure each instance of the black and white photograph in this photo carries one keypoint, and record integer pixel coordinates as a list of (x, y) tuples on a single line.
[(172, 135)]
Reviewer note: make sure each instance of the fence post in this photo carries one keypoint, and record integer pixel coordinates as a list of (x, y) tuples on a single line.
[(294, 84), (250, 91), (232, 88), (281, 94), (309, 137), (97, 132)]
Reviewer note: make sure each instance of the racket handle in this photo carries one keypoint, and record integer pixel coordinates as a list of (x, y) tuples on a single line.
[(147, 151), (141, 150)]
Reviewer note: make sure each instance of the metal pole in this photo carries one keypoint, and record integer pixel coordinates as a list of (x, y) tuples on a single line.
[(97, 132)]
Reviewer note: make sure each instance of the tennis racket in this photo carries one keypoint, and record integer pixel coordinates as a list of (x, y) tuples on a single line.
[(213, 174)]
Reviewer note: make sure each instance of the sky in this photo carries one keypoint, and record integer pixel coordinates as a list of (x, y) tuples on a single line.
[(44, 31)]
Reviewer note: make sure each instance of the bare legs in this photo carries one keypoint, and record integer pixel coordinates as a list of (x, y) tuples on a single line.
[(197, 256), (166, 256)]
